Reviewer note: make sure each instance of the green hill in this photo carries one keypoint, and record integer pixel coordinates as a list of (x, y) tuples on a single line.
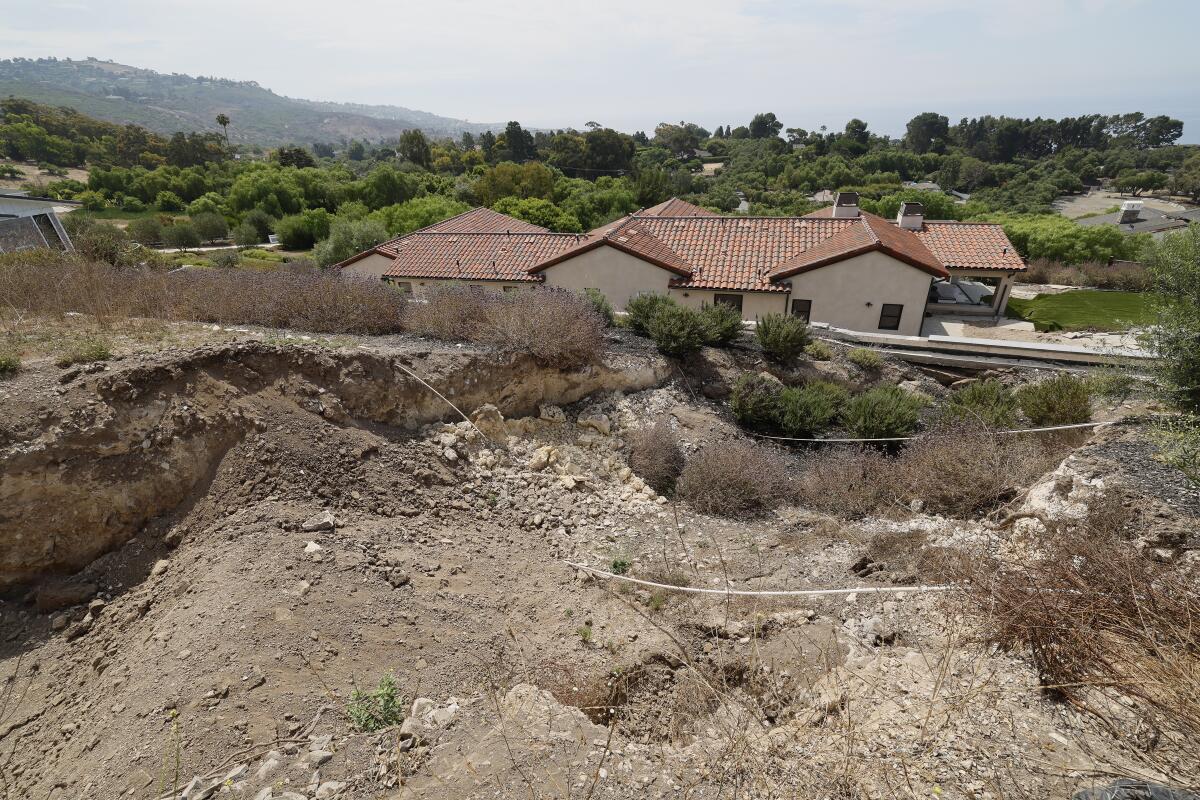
[(168, 103)]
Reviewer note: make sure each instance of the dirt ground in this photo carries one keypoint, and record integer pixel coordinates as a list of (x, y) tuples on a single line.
[(344, 524), (32, 173), (1099, 202)]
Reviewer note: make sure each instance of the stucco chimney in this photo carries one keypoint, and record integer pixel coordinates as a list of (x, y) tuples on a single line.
[(1131, 211), (911, 216), (845, 205)]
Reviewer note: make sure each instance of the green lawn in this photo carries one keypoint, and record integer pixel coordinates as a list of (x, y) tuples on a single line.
[(1084, 309)]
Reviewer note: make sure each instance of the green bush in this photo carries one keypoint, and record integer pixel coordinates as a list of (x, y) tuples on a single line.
[(781, 336), (10, 363), (133, 205), (302, 231), (225, 259), (865, 358), (883, 413), (818, 351), (246, 235), (85, 351), (989, 402), (677, 330), (210, 226), (722, 324), (263, 222), (755, 400), (810, 409), (380, 708), (168, 201), (181, 235), (264, 255), (642, 308), (1112, 384), (600, 304), (1062, 400), (145, 230)]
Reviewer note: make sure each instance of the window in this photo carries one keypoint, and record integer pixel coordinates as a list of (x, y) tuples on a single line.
[(512, 288), (889, 317), (404, 287), (802, 309), (734, 300)]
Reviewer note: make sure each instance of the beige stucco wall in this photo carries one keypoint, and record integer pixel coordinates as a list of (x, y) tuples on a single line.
[(840, 292), (618, 276), (421, 286), (754, 304), (373, 266)]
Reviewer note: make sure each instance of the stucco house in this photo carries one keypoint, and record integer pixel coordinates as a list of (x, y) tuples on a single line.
[(839, 265)]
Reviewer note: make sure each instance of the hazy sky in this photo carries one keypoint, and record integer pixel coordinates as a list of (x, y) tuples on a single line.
[(633, 63)]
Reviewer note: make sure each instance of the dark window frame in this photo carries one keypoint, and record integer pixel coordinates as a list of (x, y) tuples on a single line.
[(807, 315), (734, 300), (885, 315)]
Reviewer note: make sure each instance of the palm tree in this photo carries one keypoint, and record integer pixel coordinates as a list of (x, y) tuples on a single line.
[(223, 121)]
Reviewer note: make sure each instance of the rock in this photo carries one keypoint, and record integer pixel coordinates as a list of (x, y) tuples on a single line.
[(960, 384), (268, 766), (490, 422), (1129, 789), (160, 566), (450, 455), (597, 422), (313, 547), (316, 758), (236, 773), (323, 521), (329, 789), (63, 594), (543, 457), (265, 794), (551, 414)]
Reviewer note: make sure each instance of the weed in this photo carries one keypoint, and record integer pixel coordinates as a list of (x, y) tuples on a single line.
[(585, 633), (619, 566), (818, 351), (375, 710), (10, 363), (655, 457), (734, 479), (1064, 399), (987, 402), (85, 350), (865, 358)]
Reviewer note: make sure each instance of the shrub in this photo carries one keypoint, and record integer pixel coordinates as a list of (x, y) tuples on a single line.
[(755, 400), (655, 457), (133, 205), (846, 482), (642, 308), (810, 409), (818, 351), (380, 708), (985, 402), (225, 259), (103, 242), (600, 305), (246, 235), (1112, 384), (145, 230), (210, 226), (181, 235), (558, 328), (1178, 443), (722, 324), (168, 201), (302, 231), (348, 237), (10, 363), (882, 413), (263, 222), (781, 336), (1062, 400), (1174, 264), (865, 358), (733, 479), (86, 350), (677, 330)]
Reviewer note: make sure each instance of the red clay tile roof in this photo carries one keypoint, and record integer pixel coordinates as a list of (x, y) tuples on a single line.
[(971, 245), (677, 208), (474, 256)]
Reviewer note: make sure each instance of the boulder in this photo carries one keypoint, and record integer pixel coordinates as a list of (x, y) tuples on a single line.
[(63, 594), (490, 422), (323, 521)]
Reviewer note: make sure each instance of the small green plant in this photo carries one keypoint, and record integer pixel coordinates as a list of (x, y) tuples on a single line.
[(810, 409), (883, 413), (818, 351), (619, 566), (1062, 400), (585, 633), (657, 601), (755, 400), (1112, 384), (988, 402), (85, 351), (781, 336), (380, 708), (600, 305), (642, 308), (677, 330), (10, 363), (722, 324), (1178, 443), (865, 358)]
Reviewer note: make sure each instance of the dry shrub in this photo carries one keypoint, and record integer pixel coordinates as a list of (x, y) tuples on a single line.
[(847, 482), (654, 455), (1109, 631), (735, 479), (1127, 276), (48, 284), (558, 328)]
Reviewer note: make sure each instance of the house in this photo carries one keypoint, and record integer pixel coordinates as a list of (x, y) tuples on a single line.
[(1134, 217), (28, 222), (839, 265)]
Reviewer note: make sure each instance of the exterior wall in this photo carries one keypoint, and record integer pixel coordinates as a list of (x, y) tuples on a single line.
[(754, 304), (618, 275), (840, 292), (1003, 292), (373, 266), (422, 286)]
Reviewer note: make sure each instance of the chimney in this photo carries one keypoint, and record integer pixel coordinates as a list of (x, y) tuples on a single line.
[(911, 216), (1131, 212), (845, 205)]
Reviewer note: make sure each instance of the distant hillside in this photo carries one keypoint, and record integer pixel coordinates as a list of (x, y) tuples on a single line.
[(169, 103)]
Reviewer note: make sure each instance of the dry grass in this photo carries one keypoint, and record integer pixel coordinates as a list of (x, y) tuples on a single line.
[(558, 328), (1126, 276), (735, 479), (655, 457), (1110, 631)]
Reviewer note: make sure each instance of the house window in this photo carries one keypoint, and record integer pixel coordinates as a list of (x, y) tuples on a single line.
[(889, 317), (734, 300), (512, 288), (802, 309), (404, 287)]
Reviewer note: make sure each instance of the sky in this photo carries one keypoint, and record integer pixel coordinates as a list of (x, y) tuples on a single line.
[(630, 64)]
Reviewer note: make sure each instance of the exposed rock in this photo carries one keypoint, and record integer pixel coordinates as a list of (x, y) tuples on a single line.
[(323, 521), (490, 422), (551, 413), (597, 422), (54, 595)]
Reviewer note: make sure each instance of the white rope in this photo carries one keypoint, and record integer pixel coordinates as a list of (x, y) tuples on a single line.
[(910, 438), (750, 593), (423, 382)]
